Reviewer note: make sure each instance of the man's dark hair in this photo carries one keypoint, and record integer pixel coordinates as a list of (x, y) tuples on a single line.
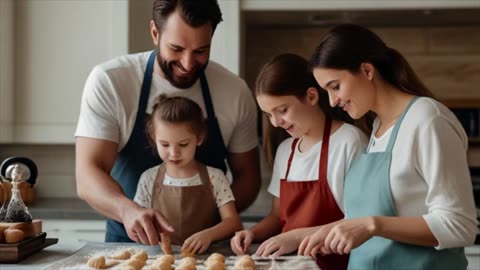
[(194, 12)]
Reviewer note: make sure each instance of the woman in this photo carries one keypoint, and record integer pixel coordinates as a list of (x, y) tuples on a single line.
[(408, 199)]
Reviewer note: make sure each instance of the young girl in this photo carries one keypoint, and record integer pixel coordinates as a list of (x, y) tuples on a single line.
[(309, 168), (195, 199), (408, 199)]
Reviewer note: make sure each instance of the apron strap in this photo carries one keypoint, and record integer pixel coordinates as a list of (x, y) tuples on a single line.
[(393, 137), (206, 96), (323, 167), (202, 170), (145, 92), (207, 183), (158, 185), (294, 144)]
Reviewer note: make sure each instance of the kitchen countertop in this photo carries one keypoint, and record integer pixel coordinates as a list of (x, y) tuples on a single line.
[(65, 248), (75, 208)]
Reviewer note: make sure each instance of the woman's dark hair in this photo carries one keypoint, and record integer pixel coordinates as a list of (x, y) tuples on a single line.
[(289, 75), (176, 110), (347, 46), (194, 12)]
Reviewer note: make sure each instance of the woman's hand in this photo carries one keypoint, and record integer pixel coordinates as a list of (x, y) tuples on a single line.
[(198, 243), (314, 243), (241, 241), (279, 245), (340, 239)]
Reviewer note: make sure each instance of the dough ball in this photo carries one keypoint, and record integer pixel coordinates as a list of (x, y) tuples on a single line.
[(97, 262), (140, 255), (13, 236), (161, 265), (188, 260), (121, 255), (187, 254), (216, 257), (186, 266), (2, 230), (137, 264), (168, 258), (244, 262), (126, 267), (215, 265)]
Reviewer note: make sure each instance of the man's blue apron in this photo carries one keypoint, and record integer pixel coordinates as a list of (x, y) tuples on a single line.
[(138, 156), (368, 193)]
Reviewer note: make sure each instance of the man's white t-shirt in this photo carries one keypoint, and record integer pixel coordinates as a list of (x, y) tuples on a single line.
[(346, 143), (220, 186), (429, 174), (112, 92)]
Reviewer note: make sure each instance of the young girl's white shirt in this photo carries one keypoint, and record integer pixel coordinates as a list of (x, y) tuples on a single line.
[(429, 174), (345, 145), (220, 186)]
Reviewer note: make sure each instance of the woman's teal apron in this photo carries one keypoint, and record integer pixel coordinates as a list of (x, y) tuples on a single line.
[(368, 193)]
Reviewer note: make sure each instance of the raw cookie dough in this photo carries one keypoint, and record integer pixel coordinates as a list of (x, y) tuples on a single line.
[(97, 262)]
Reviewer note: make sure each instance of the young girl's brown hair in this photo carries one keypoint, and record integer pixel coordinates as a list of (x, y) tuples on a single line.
[(179, 110)]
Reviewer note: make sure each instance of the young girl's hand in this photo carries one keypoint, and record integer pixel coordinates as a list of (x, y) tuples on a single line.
[(241, 241), (279, 245), (197, 243)]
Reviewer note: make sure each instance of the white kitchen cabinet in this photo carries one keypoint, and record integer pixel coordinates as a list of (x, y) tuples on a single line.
[(6, 70), (57, 43), (76, 230)]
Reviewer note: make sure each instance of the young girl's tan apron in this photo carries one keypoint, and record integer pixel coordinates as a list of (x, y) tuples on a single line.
[(189, 209)]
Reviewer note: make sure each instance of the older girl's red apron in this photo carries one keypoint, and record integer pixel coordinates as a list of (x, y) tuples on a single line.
[(311, 203)]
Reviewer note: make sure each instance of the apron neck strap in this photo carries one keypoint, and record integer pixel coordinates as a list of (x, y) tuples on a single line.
[(322, 168), (203, 172), (158, 185), (147, 82), (206, 96), (290, 158), (393, 137)]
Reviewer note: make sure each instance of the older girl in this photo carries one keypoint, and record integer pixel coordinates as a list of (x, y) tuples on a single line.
[(309, 167), (408, 199)]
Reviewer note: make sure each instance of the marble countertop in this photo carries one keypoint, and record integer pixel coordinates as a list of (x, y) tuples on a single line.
[(63, 249)]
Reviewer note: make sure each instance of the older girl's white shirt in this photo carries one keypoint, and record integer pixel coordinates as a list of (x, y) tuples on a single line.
[(346, 143), (429, 173)]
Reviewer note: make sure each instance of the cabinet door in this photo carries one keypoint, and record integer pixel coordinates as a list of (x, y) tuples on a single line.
[(57, 43)]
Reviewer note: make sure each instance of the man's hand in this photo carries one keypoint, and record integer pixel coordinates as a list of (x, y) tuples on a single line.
[(198, 243), (144, 225)]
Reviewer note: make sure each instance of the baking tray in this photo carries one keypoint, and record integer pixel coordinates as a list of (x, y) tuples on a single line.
[(13, 253), (78, 260)]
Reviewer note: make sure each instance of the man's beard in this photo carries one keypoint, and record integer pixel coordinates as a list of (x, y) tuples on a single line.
[(179, 82)]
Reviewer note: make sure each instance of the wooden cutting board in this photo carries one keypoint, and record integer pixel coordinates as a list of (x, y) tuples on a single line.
[(13, 253)]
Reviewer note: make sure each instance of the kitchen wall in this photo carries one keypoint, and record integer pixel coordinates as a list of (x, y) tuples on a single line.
[(447, 59)]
